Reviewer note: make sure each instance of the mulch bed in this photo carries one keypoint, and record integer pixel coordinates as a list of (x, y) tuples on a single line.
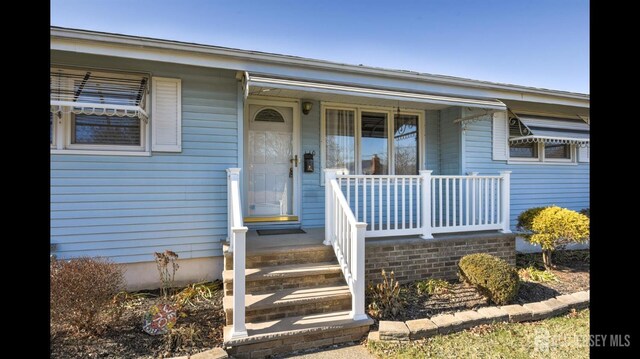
[(572, 273), (125, 339)]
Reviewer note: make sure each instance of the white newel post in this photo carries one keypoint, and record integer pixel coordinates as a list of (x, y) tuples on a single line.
[(329, 174), (426, 204), (239, 329), (505, 198), (233, 175), (357, 271)]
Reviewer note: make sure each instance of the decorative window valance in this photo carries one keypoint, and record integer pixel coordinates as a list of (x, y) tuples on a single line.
[(552, 130)]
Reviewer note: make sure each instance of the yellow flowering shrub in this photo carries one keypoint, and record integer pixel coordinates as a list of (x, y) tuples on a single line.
[(554, 226)]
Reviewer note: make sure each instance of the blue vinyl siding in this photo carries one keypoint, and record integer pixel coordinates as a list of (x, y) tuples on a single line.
[(450, 137), (432, 144), (531, 184), (126, 207), (312, 191)]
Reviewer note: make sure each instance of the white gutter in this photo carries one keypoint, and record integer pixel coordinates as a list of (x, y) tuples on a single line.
[(85, 35)]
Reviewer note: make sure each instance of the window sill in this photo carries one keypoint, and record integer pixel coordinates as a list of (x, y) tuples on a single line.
[(101, 152), (544, 163)]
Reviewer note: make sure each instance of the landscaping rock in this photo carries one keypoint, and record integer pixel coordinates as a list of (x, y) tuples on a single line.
[(390, 330), (539, 310), (571, 301), (215, 353), (557, 307), (583, 299), (517, 313), (447, 323), (374, 336), (421, 328), (470, 318), (494, 314)]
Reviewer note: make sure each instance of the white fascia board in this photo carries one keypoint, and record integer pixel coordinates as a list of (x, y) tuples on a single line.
[(209, 56)]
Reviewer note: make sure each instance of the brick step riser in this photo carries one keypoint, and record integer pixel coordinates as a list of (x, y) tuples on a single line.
[(294, 310), (280, 283), (284, 258), (301, 342)]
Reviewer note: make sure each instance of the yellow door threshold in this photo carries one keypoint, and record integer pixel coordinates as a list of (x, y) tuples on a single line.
[(270, 219)]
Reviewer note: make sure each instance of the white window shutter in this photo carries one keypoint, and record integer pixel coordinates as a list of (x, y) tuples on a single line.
[(166, 115), (583, 154), (499, 136)]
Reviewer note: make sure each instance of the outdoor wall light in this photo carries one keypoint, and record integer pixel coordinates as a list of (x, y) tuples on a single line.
[(306, 107)]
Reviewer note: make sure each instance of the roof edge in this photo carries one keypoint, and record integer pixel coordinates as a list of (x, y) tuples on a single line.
[(98, 36)]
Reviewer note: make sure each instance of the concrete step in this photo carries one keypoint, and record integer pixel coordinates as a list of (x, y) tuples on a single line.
[(271, 279), (282, 255), (285, 335), (291, 302)]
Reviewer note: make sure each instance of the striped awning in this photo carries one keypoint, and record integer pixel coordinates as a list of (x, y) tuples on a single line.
[(98, 93), (553, 130)]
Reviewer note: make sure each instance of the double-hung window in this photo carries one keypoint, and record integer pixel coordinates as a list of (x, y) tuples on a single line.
[(371, 141), (98, 112), (543, 139)]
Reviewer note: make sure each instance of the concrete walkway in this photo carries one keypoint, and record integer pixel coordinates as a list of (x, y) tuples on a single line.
[(354, 351)]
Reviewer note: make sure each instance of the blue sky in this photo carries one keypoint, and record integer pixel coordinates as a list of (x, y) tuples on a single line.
[(541, 43)]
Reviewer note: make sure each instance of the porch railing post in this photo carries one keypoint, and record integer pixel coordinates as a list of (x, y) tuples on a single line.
[(357, 270), (505, 198), (329, 175), (239, 329), (426, 204), (233, 175)]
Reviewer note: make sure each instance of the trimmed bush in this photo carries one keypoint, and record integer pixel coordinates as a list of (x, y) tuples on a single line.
[(554, 227), (82, 292), (525, 219), (492, 276)]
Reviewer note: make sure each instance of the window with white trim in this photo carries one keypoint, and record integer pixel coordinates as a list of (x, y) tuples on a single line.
[(96, 111), (523, 149), (371, 140)]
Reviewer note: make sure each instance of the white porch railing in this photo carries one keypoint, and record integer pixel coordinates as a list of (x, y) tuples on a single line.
[(346, 235), (237, 244), (425, 204)]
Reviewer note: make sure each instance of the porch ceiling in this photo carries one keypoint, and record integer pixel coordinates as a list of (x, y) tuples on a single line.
[(263, 85)]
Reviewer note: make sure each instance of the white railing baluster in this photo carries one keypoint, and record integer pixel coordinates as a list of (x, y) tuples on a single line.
[(364, 199), (388, 204), (440, 200), (492, 200), (473, 198), (373, 204), (356, 191), (466, 189), (453, 202), (404, 219), (486, 201), (410, 202), (380, 204), (395, 199), (418, 202), (447, 215)]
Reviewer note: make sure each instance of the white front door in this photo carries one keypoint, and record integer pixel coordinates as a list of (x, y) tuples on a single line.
[(271, 167)]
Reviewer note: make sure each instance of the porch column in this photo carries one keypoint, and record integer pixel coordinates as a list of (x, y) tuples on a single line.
[(329, 175), (426, 204), (505, 198)]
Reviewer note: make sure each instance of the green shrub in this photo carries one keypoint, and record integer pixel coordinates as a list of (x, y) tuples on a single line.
[(385, 301), (433, 286), (525, 219), (554, 227), (493, 277), (82, 292)]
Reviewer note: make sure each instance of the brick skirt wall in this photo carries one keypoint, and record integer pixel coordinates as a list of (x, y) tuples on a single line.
[(415, 259)]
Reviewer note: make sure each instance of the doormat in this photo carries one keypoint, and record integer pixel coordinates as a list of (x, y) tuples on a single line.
[(273, 232)]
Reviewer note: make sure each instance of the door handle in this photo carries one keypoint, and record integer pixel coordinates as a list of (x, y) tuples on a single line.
[(294, 160)]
